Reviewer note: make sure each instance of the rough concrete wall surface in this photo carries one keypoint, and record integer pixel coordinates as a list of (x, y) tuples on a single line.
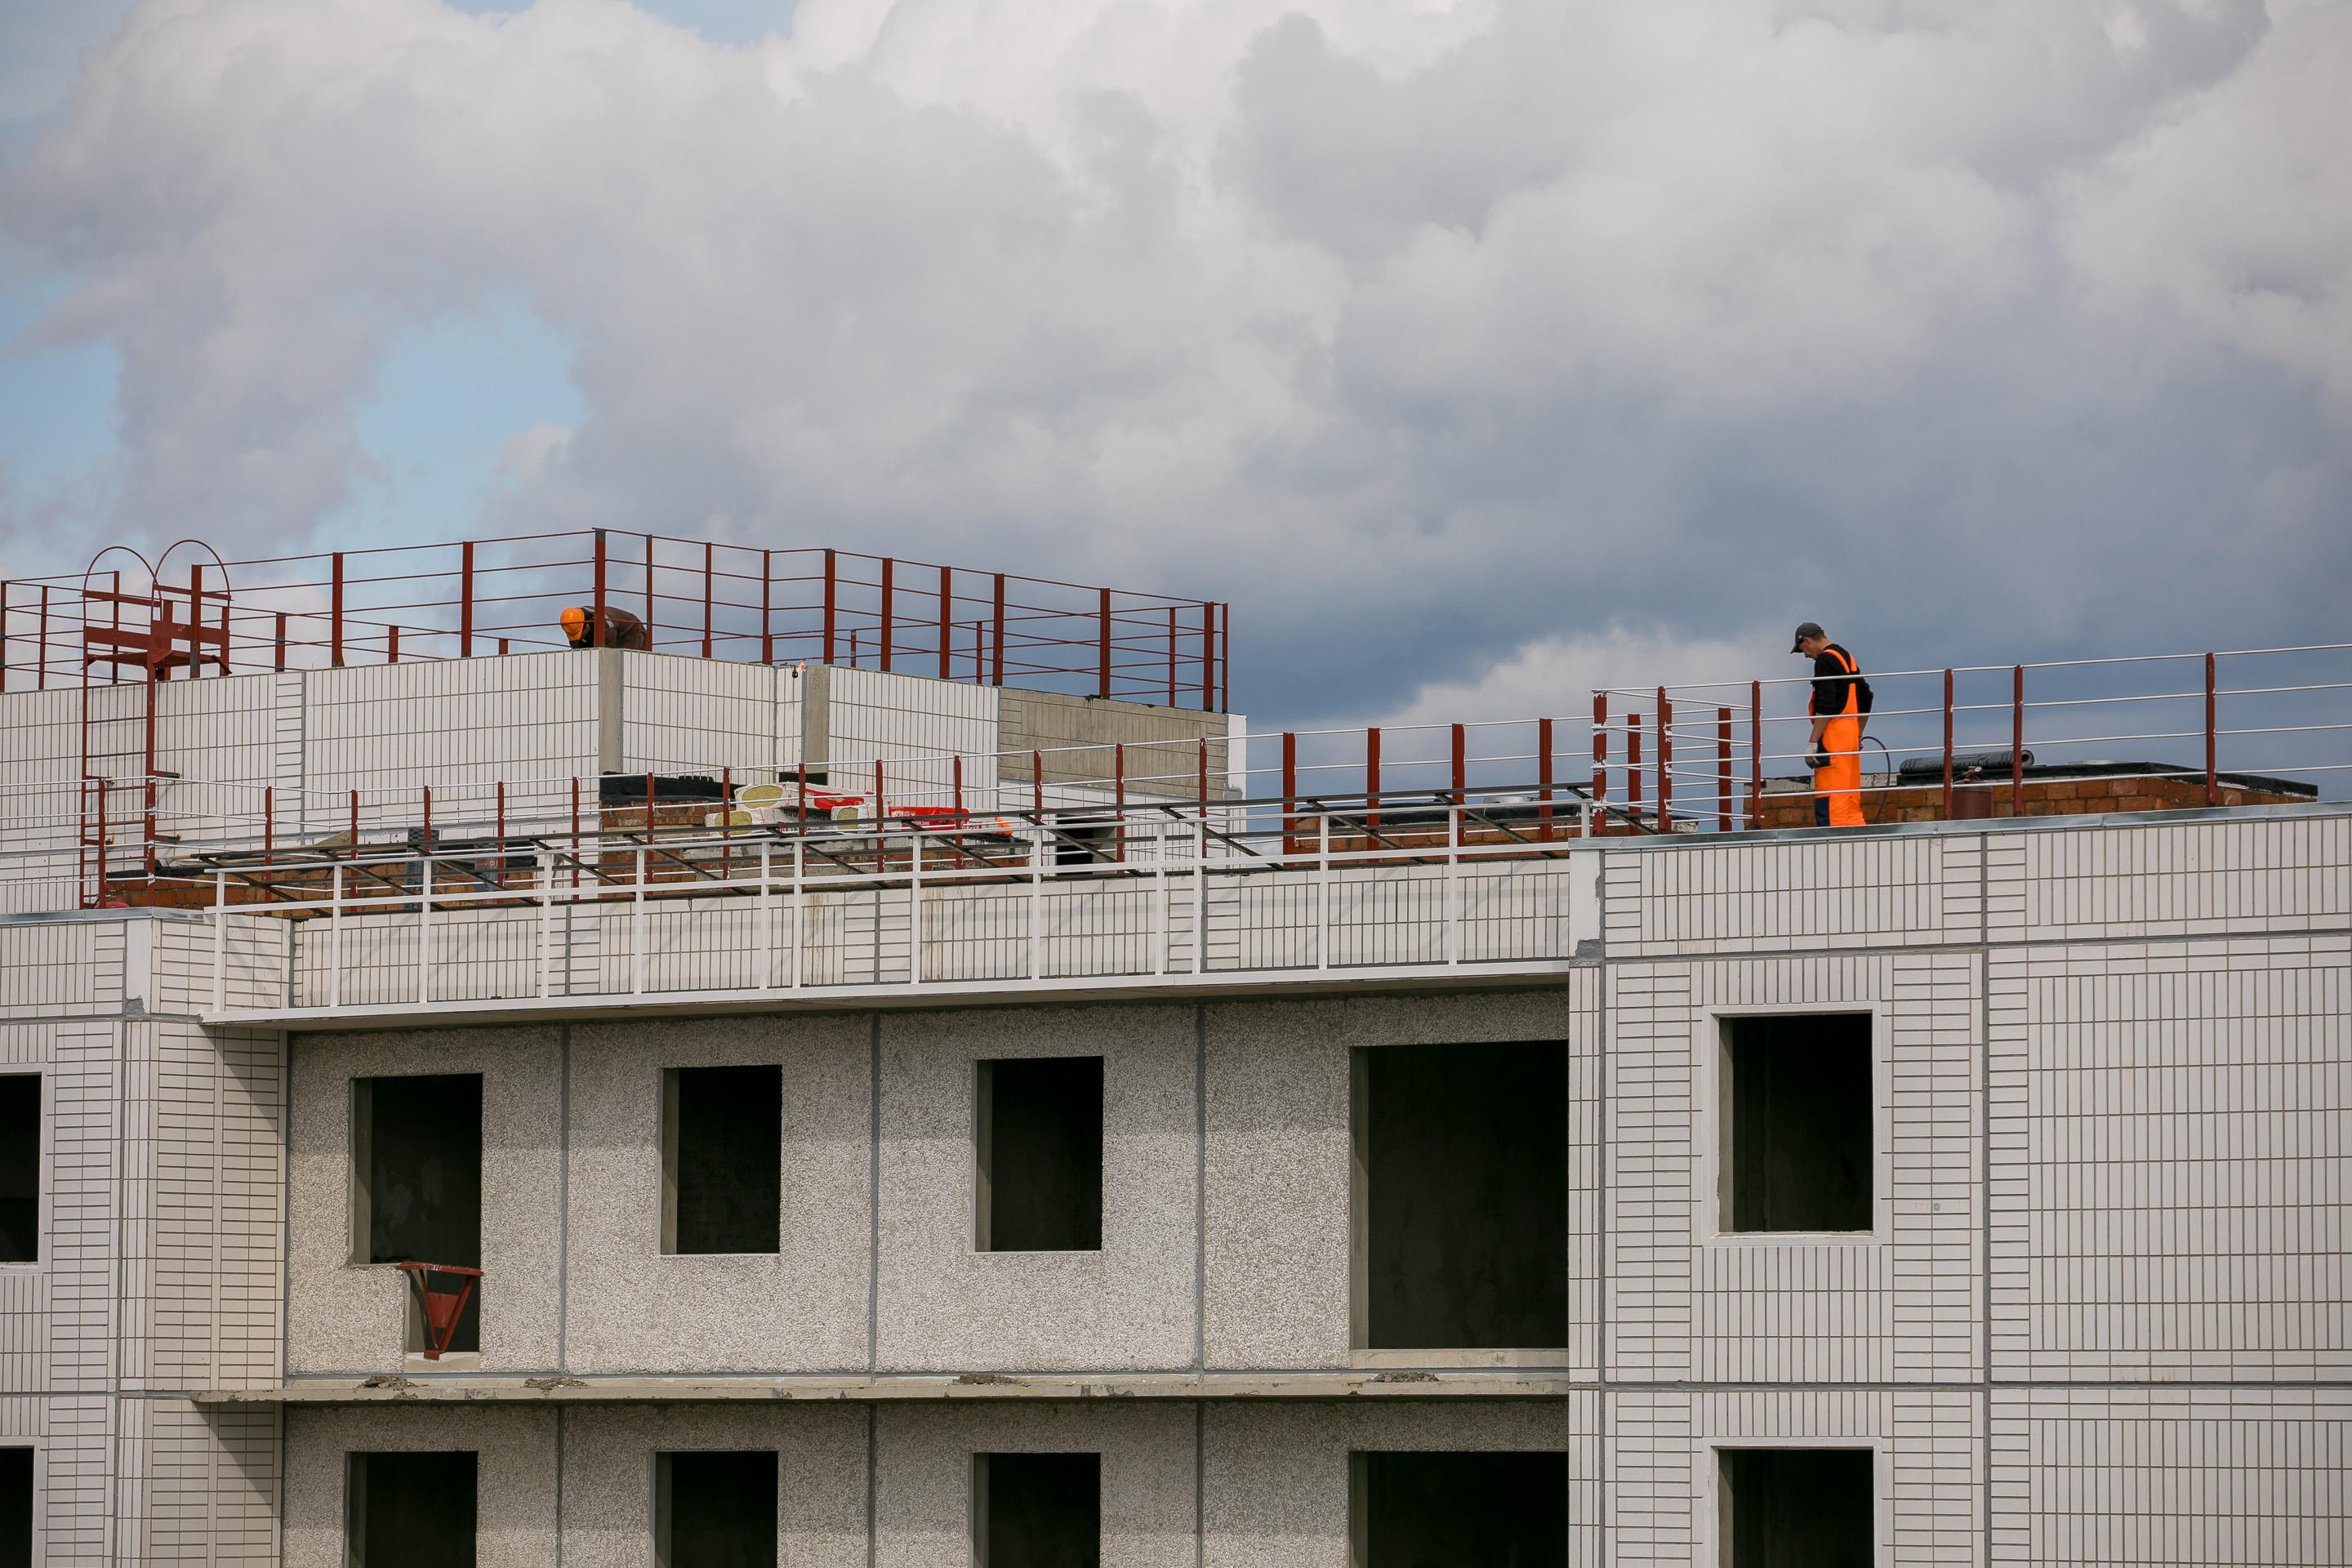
[(802, 1308), (1277, 1160), (344, 1318), (922, 1469), (519, 1491), (943, 1304), (608, 1477)]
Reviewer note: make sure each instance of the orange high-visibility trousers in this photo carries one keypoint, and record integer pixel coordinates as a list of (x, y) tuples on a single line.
[(1840, 784)]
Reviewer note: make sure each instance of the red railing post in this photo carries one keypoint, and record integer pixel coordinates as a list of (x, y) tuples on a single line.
[(1666, 763), (957, 763), (425, 829), (1373, 779), (269, 827), (828, 607), (650, 638), (1290, 790), (392, 644), (501, 830), (947, 621), (1208, 655), (1102, 645), (2212, 735), (1947, 745), (996, 637), (575, 830), (709, 564), (335, 610), (1171, 656), (889, 567), (354, 826), (465, 599), (1203, 745), (4, 633), (1633, 767), (649, 799), (1226, 660), (41, 631), (597, 590), (281, 641), (1118, 800), (1723, 770), (1755, 753), (1037, 784), (2017, 743), (1543, 780), (1460, 768), (1599, 753), (878, 807), (767, 612)]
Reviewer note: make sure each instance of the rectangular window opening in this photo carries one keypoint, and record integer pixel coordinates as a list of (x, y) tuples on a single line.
[(409, 1511), (1039, 1137), (15, 1507), (715, 1509), (1461, 1197), (1797, 1508), (1036, 1510), (1796, 1122), (20, 1168), (417, 1158), (722, 1159), (1508, 1508)]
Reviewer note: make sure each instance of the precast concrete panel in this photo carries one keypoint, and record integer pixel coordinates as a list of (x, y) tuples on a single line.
[(914, 726), (682, 715), (1690, 1299), (1665, 1468), (923, 1476), (1274, 1485), (519, 1486), (349, 1318), (2117, 878), (2172, 1477), (2172, 1128), (608, 1477), (943, 1304), (802, 1308), (1277, 1284), (1792, 895)]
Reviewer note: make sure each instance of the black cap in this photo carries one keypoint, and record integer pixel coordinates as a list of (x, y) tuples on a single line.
[(1806, 630)]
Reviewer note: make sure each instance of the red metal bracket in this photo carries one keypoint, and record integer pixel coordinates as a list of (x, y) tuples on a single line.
[(442, 1308)]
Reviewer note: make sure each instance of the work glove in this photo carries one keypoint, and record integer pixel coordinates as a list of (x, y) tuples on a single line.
[(1817, 759)]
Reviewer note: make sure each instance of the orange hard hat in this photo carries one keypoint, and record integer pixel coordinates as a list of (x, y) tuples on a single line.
[(574, 620)]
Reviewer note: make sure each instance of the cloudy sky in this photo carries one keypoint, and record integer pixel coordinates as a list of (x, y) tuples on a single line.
[(1476, 352)]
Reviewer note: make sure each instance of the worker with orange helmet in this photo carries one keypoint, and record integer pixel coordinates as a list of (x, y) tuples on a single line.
[(1840, 706), (606, 628)]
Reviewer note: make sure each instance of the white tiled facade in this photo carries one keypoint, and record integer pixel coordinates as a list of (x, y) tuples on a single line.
[(2103, 1313)]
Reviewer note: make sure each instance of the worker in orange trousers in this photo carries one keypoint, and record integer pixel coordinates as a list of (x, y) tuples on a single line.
[(1840, 706)]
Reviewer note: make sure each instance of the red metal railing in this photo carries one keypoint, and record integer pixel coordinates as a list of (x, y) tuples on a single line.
[(697, 597)]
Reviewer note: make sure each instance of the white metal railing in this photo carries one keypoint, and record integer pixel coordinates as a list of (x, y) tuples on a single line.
[(1441, 886)]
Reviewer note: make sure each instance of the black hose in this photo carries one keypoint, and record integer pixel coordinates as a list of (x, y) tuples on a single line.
[(1881, 802)]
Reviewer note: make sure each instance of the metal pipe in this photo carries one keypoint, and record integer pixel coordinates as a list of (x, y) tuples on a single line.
[(1102, 644), (1208, 655), (1633, 767), (947, 622), (767, 615), (1373, 779), (708, 562), (828, 608), (1461, 767), (996, 635), (1723, 770), (280, 663), (1755, 753), (2017, 741), (335, 610), (1666, 763), (465, 599), (888, 566), (1599, 746), (2212, 779), (1543, 780), (596, 622), (1947, 745)]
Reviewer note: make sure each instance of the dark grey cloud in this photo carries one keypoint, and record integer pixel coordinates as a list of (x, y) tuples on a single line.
[(1465, 348)]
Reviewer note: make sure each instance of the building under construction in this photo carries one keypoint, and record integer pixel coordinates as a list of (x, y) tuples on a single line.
[(894, 1072)]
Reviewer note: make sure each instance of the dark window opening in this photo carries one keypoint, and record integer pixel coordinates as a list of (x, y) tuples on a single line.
[(1462, 1196), (419, 1157), (1082, 843), (722, 1147), (1036, 1510), (1797, 1508), (1040, 1127), (410, 1511), (1797, 1122), (15, 1507), (1461, 1510), (715, 1509), (20, 1168)]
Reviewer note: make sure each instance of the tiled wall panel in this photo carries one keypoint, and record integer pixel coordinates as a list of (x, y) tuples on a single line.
[(2231, 877), (2185, 1478), (2172, 1132), (1792, 896)]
